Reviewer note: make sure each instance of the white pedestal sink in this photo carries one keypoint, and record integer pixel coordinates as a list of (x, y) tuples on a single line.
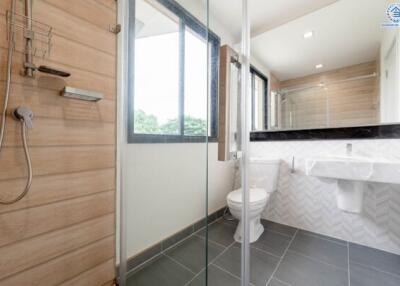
[(352, 173)]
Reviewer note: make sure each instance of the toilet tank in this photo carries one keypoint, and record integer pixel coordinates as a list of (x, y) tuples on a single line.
[(264, 173)]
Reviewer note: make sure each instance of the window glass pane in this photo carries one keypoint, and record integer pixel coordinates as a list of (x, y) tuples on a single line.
[(156, 98), (195, 119)]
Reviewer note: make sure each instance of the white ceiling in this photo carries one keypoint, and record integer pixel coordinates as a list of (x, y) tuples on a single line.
[(264, 14), (347, 32), (150, 21)]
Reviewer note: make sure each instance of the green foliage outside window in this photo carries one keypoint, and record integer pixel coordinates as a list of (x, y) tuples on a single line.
[(148, 124)]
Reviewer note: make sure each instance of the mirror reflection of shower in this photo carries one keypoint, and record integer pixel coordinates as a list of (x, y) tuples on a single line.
[(310, 106)]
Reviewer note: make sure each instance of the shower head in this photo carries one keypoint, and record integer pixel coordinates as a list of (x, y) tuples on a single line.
[(52, 71)]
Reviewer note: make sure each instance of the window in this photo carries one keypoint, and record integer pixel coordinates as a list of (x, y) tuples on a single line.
[(168, 97), (259, 100)]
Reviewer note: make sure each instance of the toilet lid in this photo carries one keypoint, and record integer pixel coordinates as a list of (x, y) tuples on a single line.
[(256, 195)]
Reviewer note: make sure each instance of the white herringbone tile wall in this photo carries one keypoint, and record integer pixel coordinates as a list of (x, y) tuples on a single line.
[(310, 203)]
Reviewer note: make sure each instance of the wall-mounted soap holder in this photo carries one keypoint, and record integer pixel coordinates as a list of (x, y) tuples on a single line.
[(76, 93)]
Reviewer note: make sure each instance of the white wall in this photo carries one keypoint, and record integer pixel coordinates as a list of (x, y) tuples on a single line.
[(310, 203), (390, 90), (166, 189)]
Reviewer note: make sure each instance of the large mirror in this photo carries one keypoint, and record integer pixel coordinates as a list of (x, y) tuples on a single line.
[(324, 72)]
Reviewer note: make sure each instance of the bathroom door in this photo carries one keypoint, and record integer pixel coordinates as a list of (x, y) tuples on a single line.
[(167, 103)]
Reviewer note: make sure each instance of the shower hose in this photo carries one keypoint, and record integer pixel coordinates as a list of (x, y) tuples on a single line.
[(11, 47)]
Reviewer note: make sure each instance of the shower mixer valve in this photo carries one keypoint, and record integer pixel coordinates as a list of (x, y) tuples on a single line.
[(24, 114)]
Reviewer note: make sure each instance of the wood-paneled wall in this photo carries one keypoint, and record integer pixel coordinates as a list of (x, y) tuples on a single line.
[(345, 103), (63, 232)]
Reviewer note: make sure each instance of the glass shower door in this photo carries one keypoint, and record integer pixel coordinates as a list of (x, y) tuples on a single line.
[(163, 148)]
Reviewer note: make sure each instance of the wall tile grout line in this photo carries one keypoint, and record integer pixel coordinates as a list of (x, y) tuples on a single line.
[(281, 259)]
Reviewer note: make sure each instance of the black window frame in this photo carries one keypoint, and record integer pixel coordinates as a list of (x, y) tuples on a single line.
[(253, 72), (185, 20)]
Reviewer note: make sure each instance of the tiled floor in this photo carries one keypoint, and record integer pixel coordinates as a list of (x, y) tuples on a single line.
[(283, 256)]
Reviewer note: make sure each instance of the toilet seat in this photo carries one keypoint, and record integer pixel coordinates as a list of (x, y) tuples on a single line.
[(257, 197)]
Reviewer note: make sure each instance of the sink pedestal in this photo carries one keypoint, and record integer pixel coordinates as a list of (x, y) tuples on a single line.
[(350, 195), (353, 174)]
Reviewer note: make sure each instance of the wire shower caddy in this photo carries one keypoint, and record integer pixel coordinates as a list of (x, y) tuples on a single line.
[(39, 34)]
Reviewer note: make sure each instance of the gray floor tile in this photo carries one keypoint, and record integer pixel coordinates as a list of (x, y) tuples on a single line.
[(299, 270), (339, 241), (272, 242), (320, 249), (163, 271), (191, 253), (384, 261), (233, 223), (275, 282), (177, 237), (277, 227), (363, 276), (144, 256), (216, 277), (262, 264), (220, 233)]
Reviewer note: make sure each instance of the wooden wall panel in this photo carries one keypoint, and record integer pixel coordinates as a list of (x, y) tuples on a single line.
[(55, 188), (78, 78), (40, 249), (94, 277), (49, 104), (63, 231), (55, 160), (69, 266), (51, 132)]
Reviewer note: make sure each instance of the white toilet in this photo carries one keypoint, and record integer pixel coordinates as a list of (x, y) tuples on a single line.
[(262, 182)]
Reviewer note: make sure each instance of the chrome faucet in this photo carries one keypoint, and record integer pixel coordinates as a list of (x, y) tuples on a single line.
[(349, 149)]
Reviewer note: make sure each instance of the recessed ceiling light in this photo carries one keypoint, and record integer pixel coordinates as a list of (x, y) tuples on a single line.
[(308, 34), (319, 66)]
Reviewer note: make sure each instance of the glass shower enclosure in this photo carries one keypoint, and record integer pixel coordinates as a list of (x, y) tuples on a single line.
[(166, 126), (172, 188)]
